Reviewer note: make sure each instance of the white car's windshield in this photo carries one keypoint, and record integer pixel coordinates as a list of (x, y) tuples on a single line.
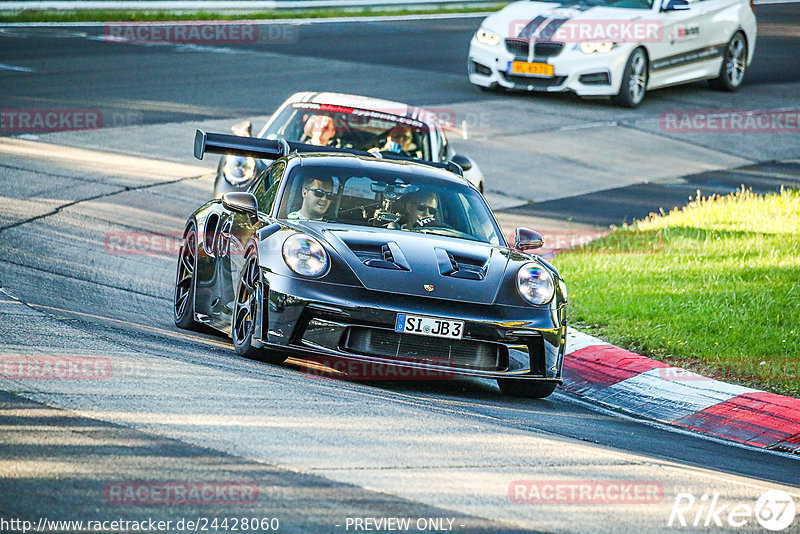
[(329, 125), (383, 199)]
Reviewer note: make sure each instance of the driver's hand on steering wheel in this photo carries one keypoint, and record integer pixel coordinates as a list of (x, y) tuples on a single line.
[(425, 221)]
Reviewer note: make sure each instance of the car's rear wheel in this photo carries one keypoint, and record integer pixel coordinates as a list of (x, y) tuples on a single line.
[(183, 299), (245, 311), (731, 73), (526, 388), (634, 80)]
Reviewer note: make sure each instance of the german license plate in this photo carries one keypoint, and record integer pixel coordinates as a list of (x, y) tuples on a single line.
[(429, 326), (540, 70)]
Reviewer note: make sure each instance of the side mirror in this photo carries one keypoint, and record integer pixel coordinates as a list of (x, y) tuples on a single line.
[(240, 202), (462, 161), (525, 240), (243, 129), (675, 5)]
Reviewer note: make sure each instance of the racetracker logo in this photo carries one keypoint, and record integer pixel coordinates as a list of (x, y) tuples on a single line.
[(180, 493), (573, 31), (585, 492), (40, 120), (730, 121), (55, 368), (369, 371), (200, 33)]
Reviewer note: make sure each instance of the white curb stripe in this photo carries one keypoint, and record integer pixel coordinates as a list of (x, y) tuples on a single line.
[(650, 394), (578, 340)]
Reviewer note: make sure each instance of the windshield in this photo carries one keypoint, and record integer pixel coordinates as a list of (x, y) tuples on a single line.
[(627, 4), (394, 201), (339, 126)]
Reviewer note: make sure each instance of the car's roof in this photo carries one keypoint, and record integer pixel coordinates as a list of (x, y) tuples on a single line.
[(365, 102), (403, 166)]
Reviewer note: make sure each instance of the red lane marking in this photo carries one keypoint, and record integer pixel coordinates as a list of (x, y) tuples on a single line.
[(759, 419), (600, 366)]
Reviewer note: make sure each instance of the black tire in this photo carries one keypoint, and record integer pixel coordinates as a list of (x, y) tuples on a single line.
[(245, 310), (634, 80), (526, 388), (734, 65), (183, 296)]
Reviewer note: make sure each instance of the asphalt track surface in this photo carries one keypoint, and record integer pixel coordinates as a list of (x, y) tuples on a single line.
[(183, 407)]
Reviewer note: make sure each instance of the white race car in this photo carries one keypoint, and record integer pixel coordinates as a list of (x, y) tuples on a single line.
[(617, 48)]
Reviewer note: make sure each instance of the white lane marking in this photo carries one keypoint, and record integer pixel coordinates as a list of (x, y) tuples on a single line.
[(266, 22), (3, 66)]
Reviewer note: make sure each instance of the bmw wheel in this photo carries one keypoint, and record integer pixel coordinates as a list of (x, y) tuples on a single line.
[(634, 80), (731, 73), (183, 301), (526, 388)]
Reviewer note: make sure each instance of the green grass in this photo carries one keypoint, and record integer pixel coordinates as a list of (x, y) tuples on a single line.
[(713, 287), (150, 16)]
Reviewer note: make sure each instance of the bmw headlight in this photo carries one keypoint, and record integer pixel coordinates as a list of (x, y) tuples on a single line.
[(535, 283), (602, 48), (486, 37), (304, 255), (239, 170)]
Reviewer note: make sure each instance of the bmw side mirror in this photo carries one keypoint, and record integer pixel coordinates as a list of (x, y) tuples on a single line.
[(243, 129), (462, 161), (240, 202), (525, 239), (675, 5)]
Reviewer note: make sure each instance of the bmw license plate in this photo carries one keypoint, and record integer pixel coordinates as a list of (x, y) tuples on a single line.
[(429, 326), (540, 70)]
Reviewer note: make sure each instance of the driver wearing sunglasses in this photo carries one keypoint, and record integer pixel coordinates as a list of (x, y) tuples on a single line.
[(317, 194), (420, 210)]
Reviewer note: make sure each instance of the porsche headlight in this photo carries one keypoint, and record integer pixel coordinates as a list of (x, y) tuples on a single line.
[(603, 48), (239, 170), (486, 37), (535, 283), (304, 255)]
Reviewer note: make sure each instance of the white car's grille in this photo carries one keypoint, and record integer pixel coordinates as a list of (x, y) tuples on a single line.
[(519, 47)]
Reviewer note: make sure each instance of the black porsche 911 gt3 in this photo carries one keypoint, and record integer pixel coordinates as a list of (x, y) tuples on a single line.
[(339, 253)]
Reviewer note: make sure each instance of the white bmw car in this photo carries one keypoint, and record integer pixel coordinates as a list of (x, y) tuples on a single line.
[(617, 48)]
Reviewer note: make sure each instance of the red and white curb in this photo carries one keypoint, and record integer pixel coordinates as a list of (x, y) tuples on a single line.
[(649, 388)]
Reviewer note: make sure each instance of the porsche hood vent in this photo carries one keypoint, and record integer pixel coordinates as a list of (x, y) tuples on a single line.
[(460, 266), (385, 256)]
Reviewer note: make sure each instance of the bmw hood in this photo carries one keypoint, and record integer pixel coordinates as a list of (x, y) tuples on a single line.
[(409, 263), (543, 19)]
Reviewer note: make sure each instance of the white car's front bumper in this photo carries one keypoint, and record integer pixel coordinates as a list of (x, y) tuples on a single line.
[(585, 74)]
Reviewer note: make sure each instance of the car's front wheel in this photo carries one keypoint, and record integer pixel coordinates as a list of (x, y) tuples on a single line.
[(243, 322), (183, 299), (634, 80), (731, 73), (526, 388)]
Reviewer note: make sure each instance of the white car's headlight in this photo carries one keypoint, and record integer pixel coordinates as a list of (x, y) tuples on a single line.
[(486, 37), (591, 48), (239, 170), (535, 283), (304, 255)]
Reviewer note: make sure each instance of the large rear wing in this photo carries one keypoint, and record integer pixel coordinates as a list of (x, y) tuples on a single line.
[(236, 145)]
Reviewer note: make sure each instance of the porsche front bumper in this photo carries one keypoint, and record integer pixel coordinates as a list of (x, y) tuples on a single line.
[(313, 320)]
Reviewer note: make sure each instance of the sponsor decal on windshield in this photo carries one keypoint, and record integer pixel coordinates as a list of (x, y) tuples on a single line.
[(360, 113)]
